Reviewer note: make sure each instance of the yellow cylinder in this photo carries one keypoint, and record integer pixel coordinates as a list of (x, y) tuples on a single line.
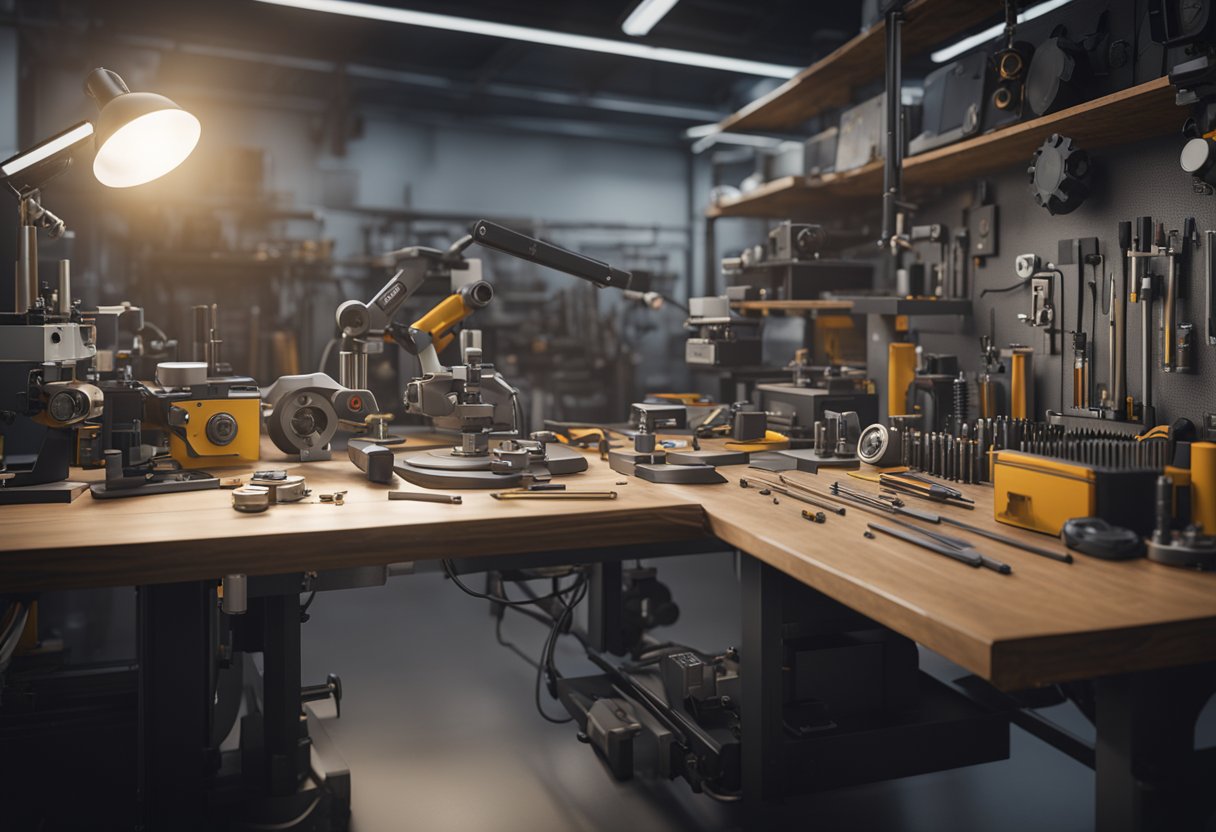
[(1021, 383), (901, 370), (1203, 485)]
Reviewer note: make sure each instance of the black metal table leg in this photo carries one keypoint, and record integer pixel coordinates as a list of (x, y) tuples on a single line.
[(285, 731), (1148, 774), (175, 682), (761, 708)]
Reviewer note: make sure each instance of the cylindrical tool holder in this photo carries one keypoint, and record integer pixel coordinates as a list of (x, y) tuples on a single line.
[(236, 595), (1203, 485), (27, 268), (901, 370), (201, 318), (1021, 383), (352, 369)]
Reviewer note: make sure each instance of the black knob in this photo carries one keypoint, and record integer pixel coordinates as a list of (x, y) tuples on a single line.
[(221, 429), (1199, 159), (1060, 175)]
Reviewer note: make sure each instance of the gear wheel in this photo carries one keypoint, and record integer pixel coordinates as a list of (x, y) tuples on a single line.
[(1060, 175)]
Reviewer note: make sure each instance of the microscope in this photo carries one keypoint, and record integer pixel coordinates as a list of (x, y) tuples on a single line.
[(470, 397)]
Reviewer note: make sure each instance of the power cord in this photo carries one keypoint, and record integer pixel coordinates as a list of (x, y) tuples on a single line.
[(450, 571)]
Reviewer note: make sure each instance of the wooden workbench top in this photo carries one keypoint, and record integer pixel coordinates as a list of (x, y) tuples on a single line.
[(197, 535), (1047, 622)]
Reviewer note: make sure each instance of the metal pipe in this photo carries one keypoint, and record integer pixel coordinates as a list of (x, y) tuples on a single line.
[(1146, 343), (892, 173), (352, 368), (65, 287), (1209, 239), (236, 595), (1167, 311), (27, 267), (214, 342), (201, 335)]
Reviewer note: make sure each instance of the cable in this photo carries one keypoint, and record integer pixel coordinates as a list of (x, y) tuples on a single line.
[(512, 646), (1017, 285), (485, 596), (329, 348), (547, 662)]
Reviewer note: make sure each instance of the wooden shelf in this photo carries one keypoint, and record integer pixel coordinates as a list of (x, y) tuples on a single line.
[(800, 197), (909, 306), (829, 82), (1140, 112), (793, 305)]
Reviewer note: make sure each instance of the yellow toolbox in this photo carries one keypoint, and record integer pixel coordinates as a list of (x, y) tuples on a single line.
[(1041, 493)]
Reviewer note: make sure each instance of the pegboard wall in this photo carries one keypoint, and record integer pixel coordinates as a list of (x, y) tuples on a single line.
[(1142, 179)]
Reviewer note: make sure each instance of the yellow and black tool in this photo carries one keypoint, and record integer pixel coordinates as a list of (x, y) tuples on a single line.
[(1042, 493), (435, 327), (211, 422)]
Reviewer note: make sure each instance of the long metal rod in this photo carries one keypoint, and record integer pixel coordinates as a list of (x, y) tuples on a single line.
[(892, 171), (553, 495), (1209, 240), (1168, 309), (868, 502)]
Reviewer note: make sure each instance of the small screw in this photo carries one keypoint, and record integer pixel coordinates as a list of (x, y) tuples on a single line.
[(764, 492), (776, 502), (622, 482), (869, 534)]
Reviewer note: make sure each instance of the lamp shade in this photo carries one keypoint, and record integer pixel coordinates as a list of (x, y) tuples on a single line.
[(140, 136)]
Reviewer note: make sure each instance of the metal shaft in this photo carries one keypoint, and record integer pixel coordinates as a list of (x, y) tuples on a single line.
[(892, 184), (1118, 381), (1209, 241), (65, 287), (201, 335), (27, 268), (1146, 341), (1167, 311)]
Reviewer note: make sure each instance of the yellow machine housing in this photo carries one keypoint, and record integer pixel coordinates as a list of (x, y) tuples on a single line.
[(1041, 493), (193, 446)]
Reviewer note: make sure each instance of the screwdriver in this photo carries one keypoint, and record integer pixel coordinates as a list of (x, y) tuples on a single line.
[(871, 503), (971, 559)]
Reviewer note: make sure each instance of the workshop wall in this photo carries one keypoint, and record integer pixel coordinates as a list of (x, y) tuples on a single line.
[(1130, 181)]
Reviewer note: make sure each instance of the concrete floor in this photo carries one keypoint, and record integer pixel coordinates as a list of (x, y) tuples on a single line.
[(439, 728)]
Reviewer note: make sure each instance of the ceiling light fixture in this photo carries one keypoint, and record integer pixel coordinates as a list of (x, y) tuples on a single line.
[(979, 39), (643, 18), (544, 37)]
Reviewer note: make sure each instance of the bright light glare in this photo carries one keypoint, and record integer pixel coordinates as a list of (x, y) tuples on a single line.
[(146, 148), (642, 19), (544, 37), (47, 149), (979, 39)]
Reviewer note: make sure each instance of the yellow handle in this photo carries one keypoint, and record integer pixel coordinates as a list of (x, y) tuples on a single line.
[(441, 318)]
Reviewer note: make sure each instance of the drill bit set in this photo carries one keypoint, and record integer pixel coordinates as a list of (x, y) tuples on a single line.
[(964, 456)]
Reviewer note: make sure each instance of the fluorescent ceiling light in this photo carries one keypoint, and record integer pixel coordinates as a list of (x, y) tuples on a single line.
[(969, 43), (708, 135), (642, 19), (545, 37)]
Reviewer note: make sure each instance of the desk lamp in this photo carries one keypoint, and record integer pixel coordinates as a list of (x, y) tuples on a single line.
[(139, 137)]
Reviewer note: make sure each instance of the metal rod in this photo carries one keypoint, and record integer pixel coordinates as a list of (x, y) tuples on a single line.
[(65, 287), (892, 172), (27, 268), (1209, 241), (425, 497), (553, 495)]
